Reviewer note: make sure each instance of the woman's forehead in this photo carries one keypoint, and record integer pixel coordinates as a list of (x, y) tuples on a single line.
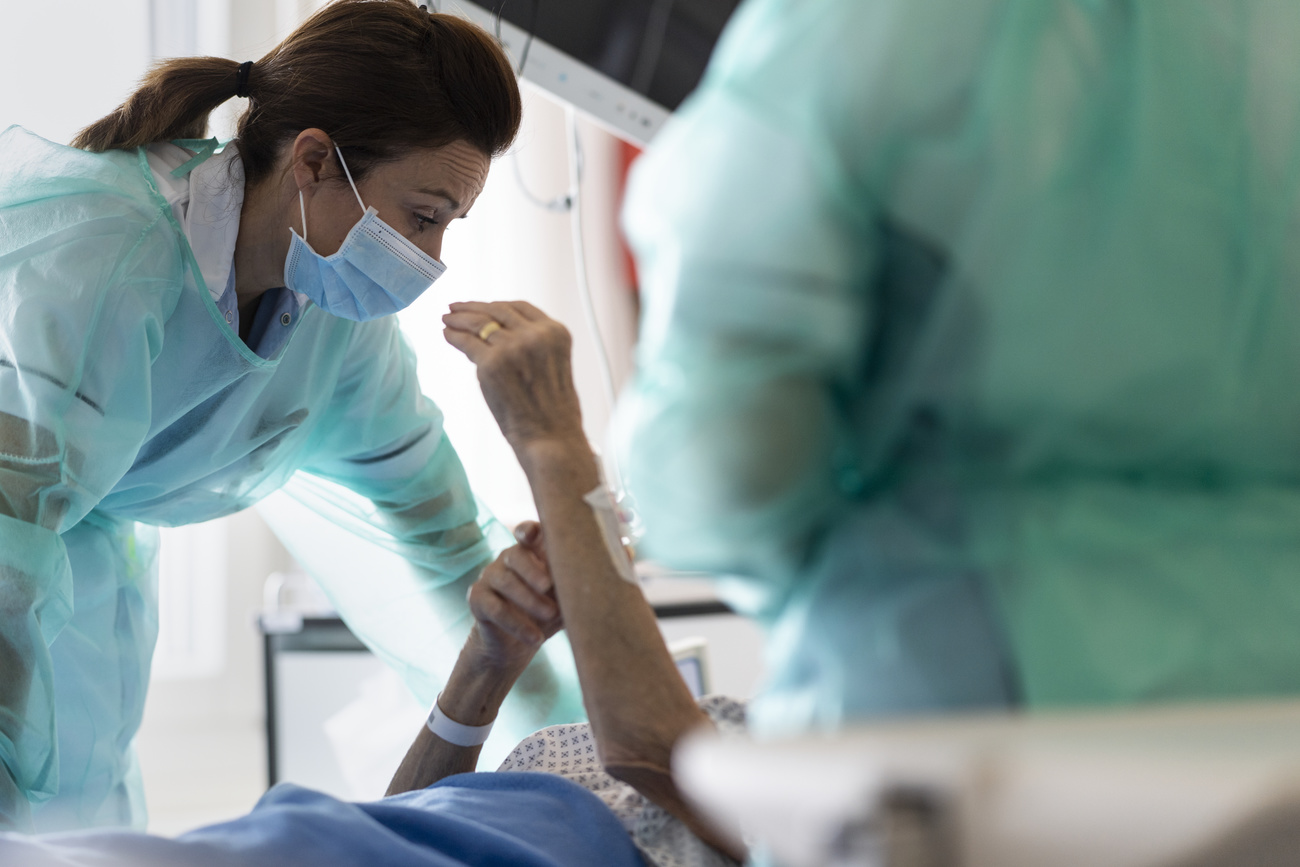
[(457, 171)]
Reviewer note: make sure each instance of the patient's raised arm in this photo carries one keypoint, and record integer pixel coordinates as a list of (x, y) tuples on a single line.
[(636, 700)]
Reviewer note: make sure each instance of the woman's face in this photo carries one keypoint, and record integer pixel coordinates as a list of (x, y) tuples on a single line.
[(418, 195)]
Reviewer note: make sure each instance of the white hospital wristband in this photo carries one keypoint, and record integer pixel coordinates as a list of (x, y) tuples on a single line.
[(453, 732)]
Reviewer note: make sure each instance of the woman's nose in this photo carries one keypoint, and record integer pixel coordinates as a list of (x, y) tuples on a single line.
[(434, 246)]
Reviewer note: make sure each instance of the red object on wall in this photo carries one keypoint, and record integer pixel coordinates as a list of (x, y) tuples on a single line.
[(628, 154)]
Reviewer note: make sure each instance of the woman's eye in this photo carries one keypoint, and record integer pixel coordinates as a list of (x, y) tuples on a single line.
[(421, 221)]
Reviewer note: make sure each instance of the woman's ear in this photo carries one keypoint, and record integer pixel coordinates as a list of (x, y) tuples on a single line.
[(312, 150)]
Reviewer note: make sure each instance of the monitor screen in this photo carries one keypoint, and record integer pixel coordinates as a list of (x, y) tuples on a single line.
[(657, 48)]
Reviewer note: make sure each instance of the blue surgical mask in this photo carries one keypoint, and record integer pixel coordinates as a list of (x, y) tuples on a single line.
[(376, 272)]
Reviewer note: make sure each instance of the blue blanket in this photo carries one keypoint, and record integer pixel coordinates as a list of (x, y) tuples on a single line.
[(520, 820)]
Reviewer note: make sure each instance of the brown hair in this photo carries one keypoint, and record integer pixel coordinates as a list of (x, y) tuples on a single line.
[(379, 76)]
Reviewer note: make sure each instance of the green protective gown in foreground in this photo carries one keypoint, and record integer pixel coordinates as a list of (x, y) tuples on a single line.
[(997, 296), (126, 401)]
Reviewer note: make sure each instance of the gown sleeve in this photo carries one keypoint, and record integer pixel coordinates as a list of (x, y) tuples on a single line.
[(755, 219), (86, 278), (383, 470), (383, 439)]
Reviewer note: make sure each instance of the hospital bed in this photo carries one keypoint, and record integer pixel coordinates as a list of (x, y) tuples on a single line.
[(1201, 786)]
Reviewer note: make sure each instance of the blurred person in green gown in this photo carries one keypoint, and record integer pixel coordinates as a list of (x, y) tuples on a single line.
[(970, 350)]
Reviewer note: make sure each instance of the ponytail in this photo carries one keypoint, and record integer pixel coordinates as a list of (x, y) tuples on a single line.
[(379, 76), (172, 102)]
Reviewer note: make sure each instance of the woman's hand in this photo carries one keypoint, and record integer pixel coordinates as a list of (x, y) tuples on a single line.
[(514, 607), (523, 369)]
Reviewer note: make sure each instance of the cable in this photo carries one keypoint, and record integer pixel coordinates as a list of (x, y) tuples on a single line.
[(629, 521), (528, 40), (558, 205), (580, 272), (561, 204), (528, 43), (580, 251)]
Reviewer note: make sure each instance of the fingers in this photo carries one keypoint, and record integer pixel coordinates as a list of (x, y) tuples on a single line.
[(520, 578), (529, 534), (515, 593), (505, 312), (490, 607), (528, 311), (469, 321), (529, 568), (518, 317), (526, 532), (524, 368), (475, 350), (530, 537)]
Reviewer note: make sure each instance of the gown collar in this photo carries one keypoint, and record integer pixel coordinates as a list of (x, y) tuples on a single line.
[(206, 202)]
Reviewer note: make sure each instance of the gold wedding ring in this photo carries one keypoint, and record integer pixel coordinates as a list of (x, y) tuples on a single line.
[(488, 330)]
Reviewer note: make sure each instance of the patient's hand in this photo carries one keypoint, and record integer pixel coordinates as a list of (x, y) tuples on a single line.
[(523, 368), (514, 612), (514, 607)]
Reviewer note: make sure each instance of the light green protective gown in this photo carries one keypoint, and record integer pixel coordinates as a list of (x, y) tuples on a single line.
[(126, 401), (972, 344)]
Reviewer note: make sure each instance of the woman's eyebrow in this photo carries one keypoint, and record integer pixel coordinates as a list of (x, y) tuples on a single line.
[(442, 194)]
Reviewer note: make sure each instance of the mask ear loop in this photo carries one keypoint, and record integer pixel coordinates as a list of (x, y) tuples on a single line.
[(303, 207), (349, 174)]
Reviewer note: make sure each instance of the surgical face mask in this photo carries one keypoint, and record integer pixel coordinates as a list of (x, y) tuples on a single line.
[(376, 272)]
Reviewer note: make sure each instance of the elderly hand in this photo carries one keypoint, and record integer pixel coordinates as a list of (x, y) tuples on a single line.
[(514, 613), (513, 604), (523, 368)]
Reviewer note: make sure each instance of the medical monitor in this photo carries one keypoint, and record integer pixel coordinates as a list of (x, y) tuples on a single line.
[(627, 63)]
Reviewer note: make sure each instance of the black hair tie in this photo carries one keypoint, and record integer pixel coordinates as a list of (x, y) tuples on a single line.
[(241, 80)]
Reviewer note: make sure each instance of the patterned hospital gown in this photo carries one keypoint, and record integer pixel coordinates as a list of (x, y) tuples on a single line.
[(570, 751)]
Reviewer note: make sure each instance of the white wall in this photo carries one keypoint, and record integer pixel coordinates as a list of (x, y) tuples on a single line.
[(511, 249), (64, 65)]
